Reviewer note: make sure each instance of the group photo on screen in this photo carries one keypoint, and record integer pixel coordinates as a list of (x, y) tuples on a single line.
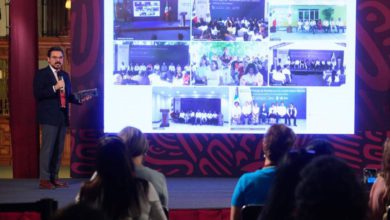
[(308, 20), (321, 65), (257, 108), (152, 19), (226, 63), (242, 20), (181, 108), (151, 63)]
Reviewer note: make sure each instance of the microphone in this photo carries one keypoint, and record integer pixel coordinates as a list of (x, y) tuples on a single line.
[(59, 79)]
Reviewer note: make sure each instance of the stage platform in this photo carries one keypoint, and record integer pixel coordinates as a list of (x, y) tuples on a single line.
[(184, 193)]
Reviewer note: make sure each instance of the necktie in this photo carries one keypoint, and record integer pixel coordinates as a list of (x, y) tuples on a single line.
[(62, 93)]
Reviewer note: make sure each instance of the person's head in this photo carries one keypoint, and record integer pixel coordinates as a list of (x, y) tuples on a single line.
[(78, 211), (386, 161), (280, 203), (278, 140), (55, 57), (329, 189), (320, 147), (178, 68), (111, 161), (135, 141), (115, 186), (250, 69)]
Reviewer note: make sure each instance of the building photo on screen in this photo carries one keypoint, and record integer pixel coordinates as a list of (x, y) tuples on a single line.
[(213, 66)]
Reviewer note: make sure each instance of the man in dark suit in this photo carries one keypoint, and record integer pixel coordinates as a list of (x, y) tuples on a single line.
[(53, 93)]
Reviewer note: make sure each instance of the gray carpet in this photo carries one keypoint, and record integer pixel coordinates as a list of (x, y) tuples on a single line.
[(184, 193)]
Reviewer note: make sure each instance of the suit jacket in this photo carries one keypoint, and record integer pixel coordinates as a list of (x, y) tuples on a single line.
[(48, 101)]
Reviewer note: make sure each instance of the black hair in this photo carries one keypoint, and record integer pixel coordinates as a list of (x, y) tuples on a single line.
[(54, 49), (115, 186), (330, 189), (281, 200), (320, 147)]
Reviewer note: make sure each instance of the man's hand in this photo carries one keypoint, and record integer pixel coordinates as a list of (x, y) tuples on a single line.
[(86, 98), (59, 85)]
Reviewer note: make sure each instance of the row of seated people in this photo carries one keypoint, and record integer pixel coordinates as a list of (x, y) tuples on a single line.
[(334, 77), (280, 76), (203, 75), (121, 186), (198, 117), (296, 182), (301, 182), (311, 64), (253, 114), (151, 76), (136, 69), (230, 29), (230, 71), (167, 79), (326, 26)]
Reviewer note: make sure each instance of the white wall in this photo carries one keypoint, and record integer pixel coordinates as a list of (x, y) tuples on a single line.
[(185, 6)]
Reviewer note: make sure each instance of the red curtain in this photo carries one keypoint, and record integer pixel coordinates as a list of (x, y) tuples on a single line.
[(20, 216), (23, 56), (199, 214)]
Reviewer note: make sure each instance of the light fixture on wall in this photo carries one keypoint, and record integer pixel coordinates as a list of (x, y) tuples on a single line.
[(68, 4)]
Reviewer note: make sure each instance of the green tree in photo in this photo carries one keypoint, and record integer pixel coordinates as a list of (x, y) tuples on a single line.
[(328, 13)]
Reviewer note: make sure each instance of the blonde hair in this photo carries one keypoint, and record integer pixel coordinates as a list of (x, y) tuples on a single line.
[(386, 161), (135, 141)]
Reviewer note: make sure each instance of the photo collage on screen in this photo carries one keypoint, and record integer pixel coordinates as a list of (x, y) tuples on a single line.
[(230, 66)]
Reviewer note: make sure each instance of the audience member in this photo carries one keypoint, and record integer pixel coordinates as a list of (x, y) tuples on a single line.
[(320, 147), (253, 188), (329, 189), (115, 190), (137, 146), (230, 29), (280, 203), (379, 195)]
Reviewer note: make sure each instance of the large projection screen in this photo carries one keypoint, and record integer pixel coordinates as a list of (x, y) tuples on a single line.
[(212, 66)]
